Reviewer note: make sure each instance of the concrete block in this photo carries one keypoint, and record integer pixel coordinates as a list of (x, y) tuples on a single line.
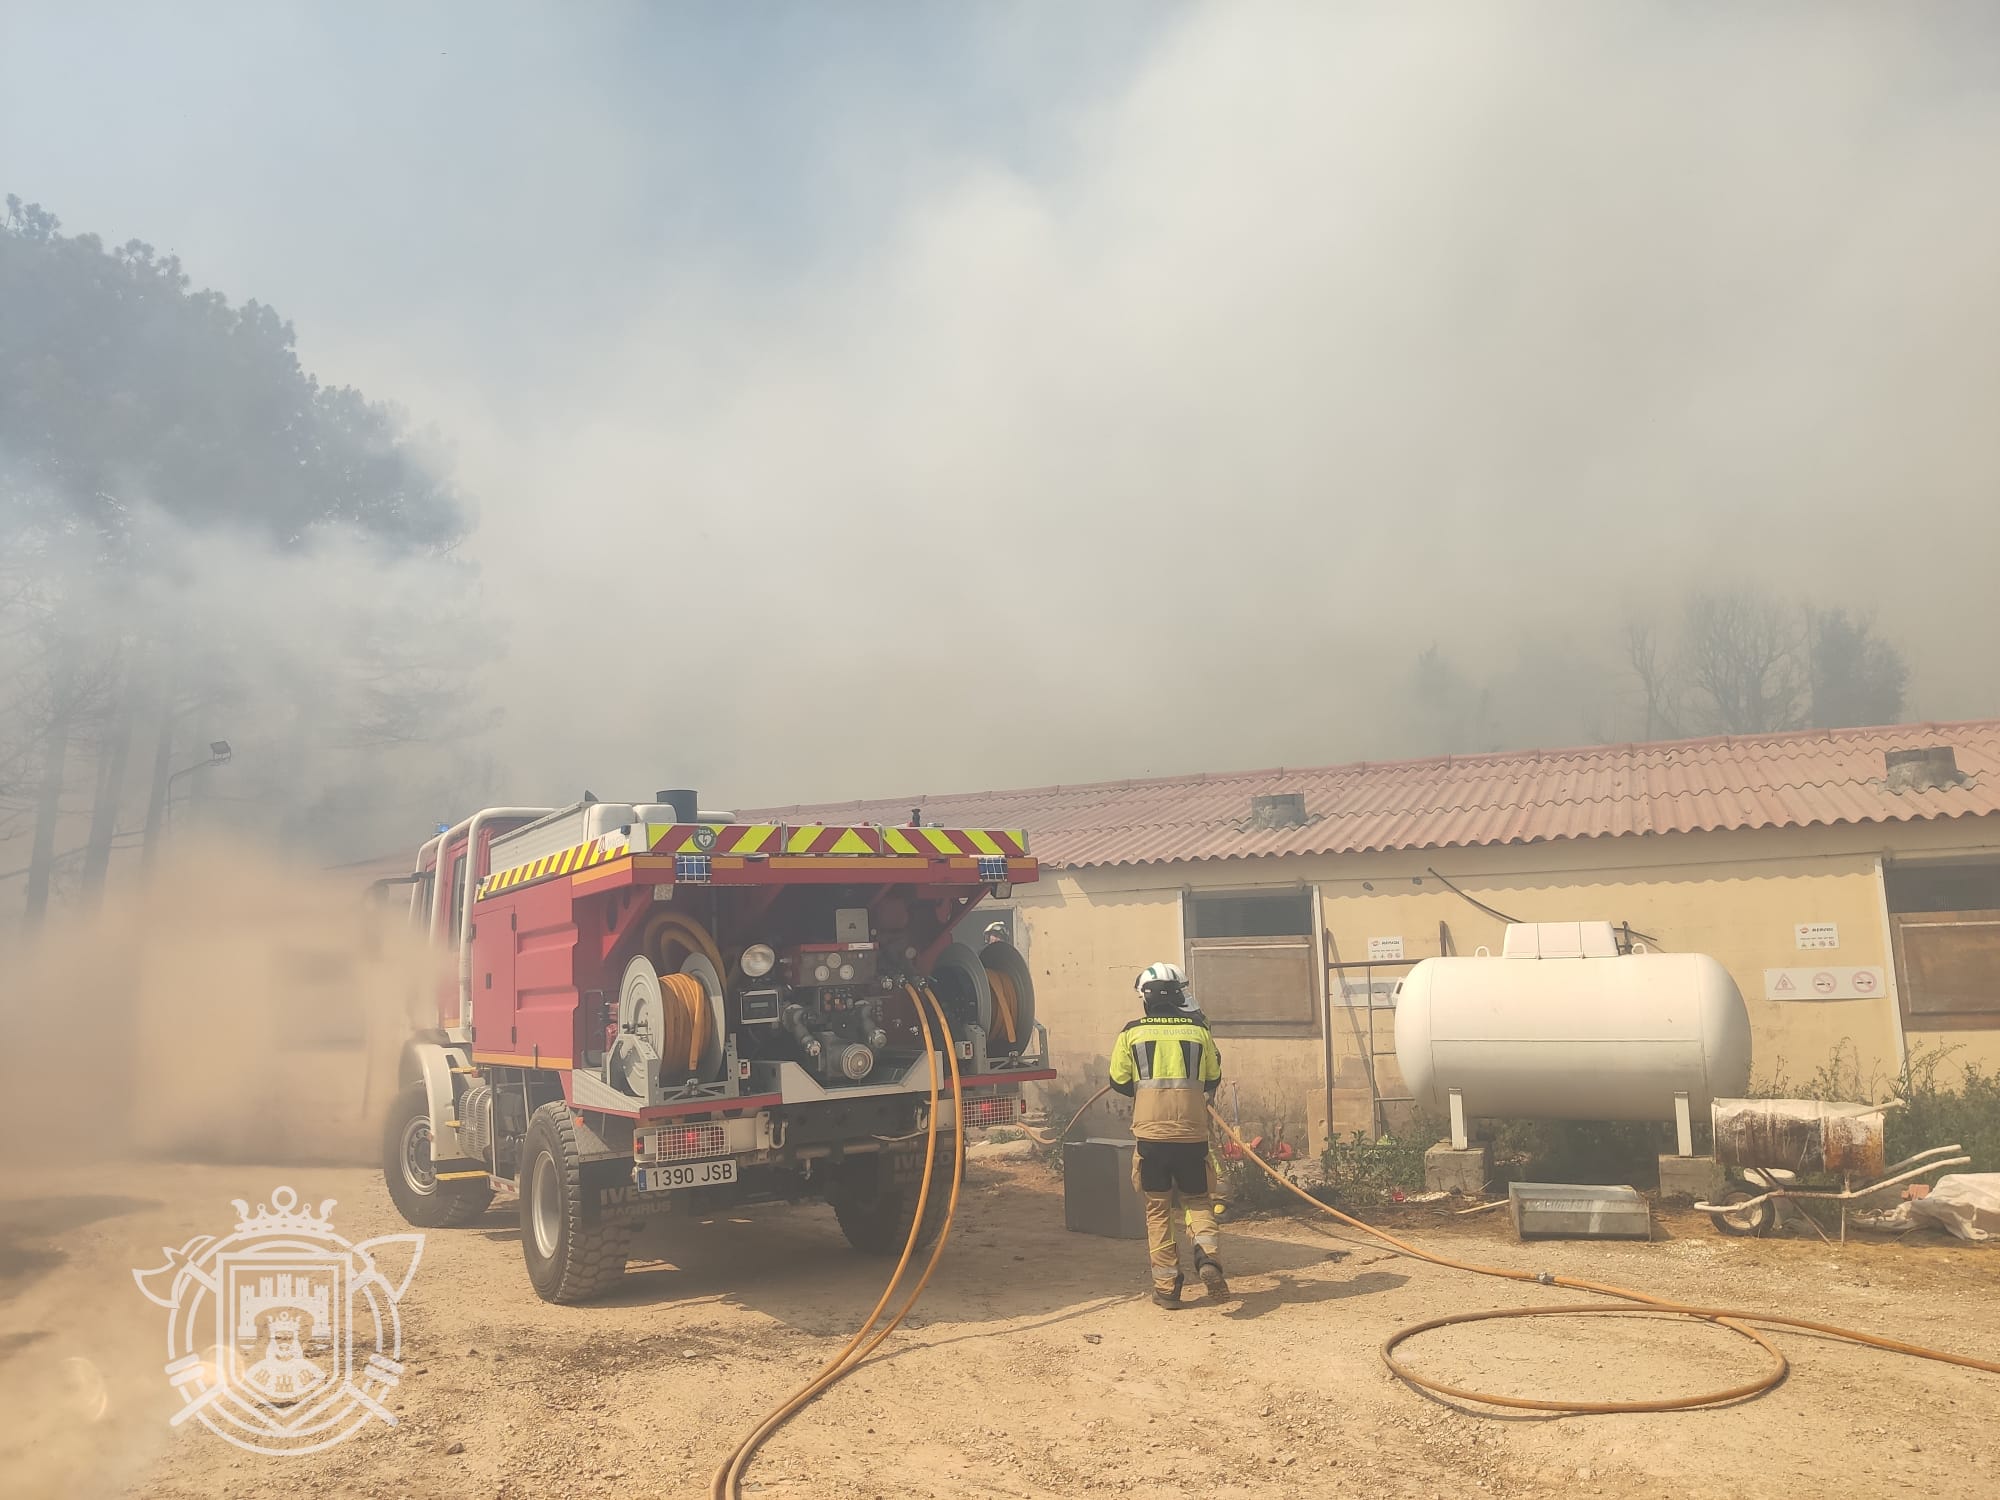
[(1449, 1171), (1694, 1178), (1098, 1195), (1351, 1072)]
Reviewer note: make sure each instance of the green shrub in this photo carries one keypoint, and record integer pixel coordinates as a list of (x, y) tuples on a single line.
[(1248, 1189), (1360, 1173)]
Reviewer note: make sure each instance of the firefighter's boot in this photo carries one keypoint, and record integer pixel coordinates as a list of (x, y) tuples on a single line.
[(1209, 1269), (1168, 1296)]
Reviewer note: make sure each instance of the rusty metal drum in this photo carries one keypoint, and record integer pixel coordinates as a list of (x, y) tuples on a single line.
[(1800, 1135)]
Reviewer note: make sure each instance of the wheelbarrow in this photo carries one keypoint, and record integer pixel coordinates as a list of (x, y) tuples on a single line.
[(1771, 1145)]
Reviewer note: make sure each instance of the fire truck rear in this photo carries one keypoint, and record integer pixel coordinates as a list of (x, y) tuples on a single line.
[(658, 1009)]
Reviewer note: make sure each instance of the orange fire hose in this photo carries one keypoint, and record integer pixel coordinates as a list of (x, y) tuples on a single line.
[(1044, 1138), (686, 1010), (1734, 1319), (727, 1483), (1006, 1007), (692, 935)]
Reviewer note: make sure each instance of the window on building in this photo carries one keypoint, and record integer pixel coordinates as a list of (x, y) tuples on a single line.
[(1945, 919), (1250, 960)]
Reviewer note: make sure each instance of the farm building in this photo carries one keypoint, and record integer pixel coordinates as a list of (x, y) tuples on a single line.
[(1849, 880)]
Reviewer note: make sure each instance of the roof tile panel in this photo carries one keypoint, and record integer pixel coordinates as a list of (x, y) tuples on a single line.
[(1802, 779)]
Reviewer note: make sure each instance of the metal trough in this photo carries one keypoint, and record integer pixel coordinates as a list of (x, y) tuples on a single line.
[(1578, 1211)]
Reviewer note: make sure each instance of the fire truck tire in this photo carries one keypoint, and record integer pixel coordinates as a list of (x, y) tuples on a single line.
[(875, 1213), (575, 1249), (412, 1178)]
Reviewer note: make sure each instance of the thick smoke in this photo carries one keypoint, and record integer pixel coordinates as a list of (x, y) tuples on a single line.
[(242, 1007), (1337, 332), (1305, 337)]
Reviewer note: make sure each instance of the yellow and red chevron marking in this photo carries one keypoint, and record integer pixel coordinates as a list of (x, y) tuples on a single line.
[(721, 838), (815, 838), (564, 862), (1008, 841), (768, 839)]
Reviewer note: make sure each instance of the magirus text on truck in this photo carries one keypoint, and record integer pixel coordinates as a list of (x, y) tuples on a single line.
[(661, 1009)]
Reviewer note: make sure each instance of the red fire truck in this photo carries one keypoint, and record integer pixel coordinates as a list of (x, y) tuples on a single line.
[(661, 1009)]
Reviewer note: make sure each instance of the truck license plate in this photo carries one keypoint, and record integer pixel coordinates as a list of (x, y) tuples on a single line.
[(686, 1174)]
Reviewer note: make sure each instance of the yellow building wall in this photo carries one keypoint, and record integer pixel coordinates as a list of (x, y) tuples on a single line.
[(1736, 896), (1086, 935)]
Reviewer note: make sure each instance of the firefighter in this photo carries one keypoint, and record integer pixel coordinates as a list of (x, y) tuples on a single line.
[(1167, 1064), (996, 932)]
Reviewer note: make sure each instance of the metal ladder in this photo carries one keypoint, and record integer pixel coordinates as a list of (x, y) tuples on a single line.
[(1376, 1045)]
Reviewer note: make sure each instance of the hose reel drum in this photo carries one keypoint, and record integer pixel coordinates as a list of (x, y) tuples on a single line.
[(990, 988), (670, 1027)]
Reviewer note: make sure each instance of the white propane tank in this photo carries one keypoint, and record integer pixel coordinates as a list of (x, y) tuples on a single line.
[(1572, 1038)]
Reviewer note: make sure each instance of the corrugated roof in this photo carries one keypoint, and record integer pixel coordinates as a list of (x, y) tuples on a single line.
[(1802, 779)]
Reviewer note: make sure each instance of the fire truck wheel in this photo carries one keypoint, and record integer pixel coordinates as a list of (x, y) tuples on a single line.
[(875, 1211), (412, 1176), (574, 1250)]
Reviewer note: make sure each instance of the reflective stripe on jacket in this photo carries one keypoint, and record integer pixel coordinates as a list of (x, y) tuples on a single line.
[(1167, 1066)]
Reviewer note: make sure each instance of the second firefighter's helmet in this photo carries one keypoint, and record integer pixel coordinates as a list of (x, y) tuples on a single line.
[(1163, 988)]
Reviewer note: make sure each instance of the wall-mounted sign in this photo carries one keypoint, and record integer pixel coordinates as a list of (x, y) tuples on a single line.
[(1818, 934), (1380, 993), (1822, 984), (1385, 950)]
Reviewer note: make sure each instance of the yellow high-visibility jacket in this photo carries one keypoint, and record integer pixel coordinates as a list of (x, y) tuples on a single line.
[(1167, 1066)]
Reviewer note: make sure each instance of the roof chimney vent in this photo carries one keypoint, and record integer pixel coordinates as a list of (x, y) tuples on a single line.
[(1932, 768), (1279, 810)]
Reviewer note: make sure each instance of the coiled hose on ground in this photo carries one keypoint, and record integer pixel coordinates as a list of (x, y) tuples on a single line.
[(1734, 1319), (727, 1483)]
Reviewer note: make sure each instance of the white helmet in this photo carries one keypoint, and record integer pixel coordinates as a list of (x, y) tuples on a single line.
[(1160, 974)]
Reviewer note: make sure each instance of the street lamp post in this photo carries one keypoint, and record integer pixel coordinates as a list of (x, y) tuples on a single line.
[(218, 755)]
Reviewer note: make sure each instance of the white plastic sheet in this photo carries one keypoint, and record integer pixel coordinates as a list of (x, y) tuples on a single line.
[(1966, 1203)]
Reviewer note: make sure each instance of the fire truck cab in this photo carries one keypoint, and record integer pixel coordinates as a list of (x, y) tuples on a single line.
[(657, 1009)]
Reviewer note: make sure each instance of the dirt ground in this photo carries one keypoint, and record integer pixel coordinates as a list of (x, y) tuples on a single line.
[(1034, 1366)]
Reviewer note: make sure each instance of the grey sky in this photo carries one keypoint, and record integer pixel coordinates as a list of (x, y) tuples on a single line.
[(904, 397)]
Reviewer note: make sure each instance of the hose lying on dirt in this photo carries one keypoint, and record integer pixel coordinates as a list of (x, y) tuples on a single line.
[(727, 1483), (1734, 1319)]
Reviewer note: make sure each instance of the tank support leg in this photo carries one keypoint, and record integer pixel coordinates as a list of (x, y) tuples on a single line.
[(1458, 1140), (1683, 1125)]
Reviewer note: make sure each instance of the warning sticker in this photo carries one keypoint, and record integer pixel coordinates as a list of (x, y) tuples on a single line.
[(1822, 984)]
